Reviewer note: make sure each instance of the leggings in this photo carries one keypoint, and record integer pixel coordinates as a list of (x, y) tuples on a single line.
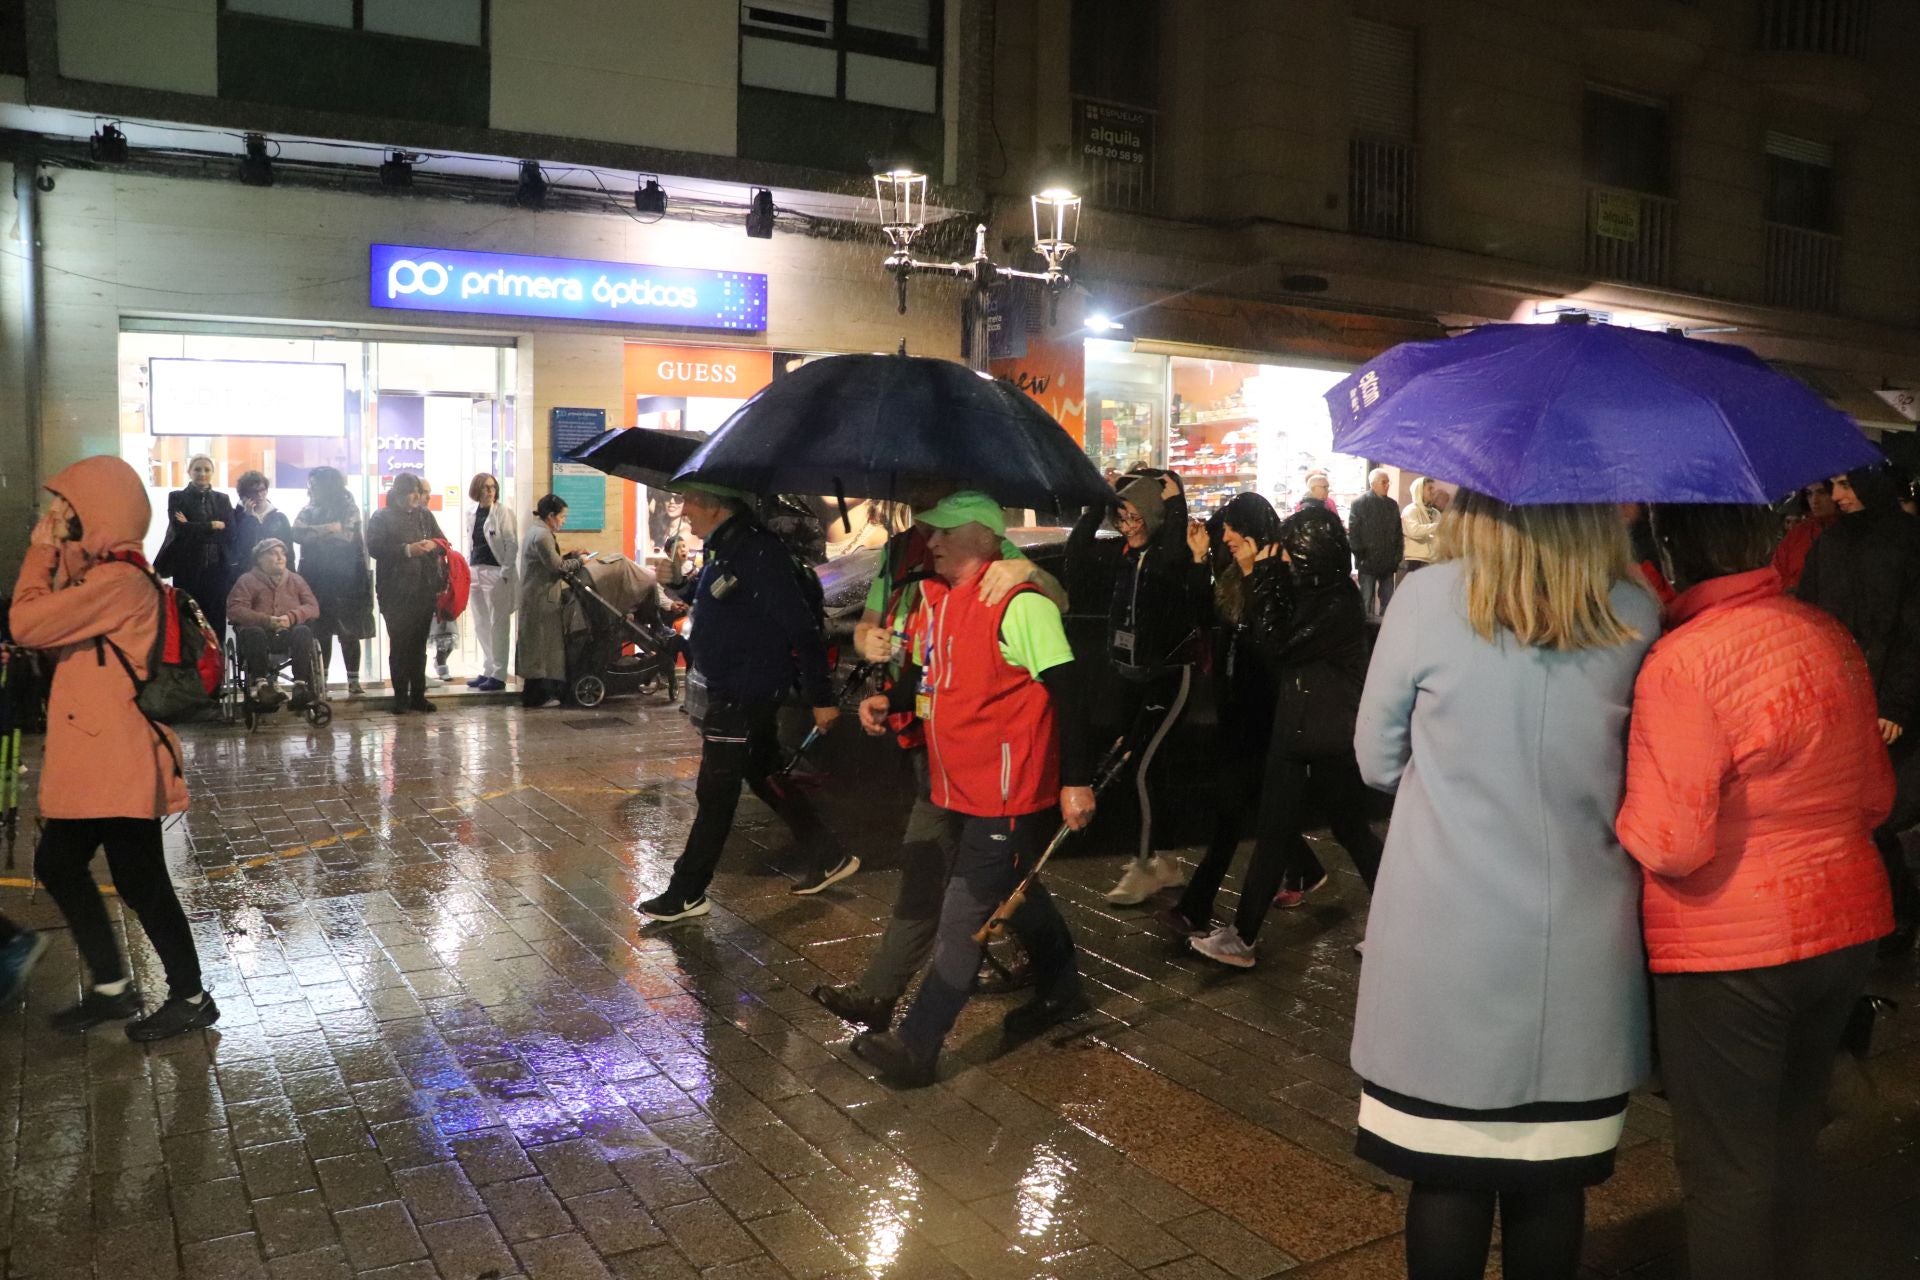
[(326, 630), (1281, 855), (1152, 707), (1450, 1231), (139, 868)]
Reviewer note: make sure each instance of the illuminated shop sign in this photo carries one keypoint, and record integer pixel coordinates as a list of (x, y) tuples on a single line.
[(412, 278)]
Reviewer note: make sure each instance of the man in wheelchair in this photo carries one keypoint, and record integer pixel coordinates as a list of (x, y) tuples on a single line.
[(269, 608)]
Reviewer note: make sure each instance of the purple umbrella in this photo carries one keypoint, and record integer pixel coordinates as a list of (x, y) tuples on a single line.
[(1593, 413)]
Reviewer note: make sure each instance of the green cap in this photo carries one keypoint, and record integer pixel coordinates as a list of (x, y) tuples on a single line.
[(968, 506), (717, 490)]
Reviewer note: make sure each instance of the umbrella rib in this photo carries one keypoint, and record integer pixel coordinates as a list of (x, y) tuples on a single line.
[(1719, 413)]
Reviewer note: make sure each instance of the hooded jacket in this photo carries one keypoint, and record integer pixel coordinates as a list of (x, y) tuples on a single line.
[(1150, 617), (1306, 615), (1419, 524), (1865, 571), (404, 584), (1755, 777), (104, 759)]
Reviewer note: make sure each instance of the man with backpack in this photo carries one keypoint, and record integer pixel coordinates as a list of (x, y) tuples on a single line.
[(110, 773), (756, 627)]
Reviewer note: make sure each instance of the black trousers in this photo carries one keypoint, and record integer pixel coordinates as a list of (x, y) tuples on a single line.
[(1747, 1057), (407, 652), (1149, 710), (1239, 772), (139, 867), (326, 630), (208, 586), (740, 744), (258, 649), (1281, 854), (990, 855)]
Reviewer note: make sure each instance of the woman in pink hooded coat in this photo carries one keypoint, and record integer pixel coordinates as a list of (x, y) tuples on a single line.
[(109, 775)]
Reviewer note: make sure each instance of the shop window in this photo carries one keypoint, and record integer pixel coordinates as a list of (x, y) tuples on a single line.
[(1116, 51), (1626, 142), (825, 82), (1126, 407), (1800, 183)]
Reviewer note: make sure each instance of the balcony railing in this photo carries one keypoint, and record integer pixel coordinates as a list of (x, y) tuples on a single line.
[(1114, 147), (1630, 236), (1803, 268), (1837, 27), (1383, 193)]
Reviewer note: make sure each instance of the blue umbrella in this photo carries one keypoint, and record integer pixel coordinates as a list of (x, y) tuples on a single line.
[(866, 426), (1593, 413)]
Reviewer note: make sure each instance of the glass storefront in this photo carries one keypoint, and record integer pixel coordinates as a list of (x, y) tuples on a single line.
[(1227, 426), (440, 410)]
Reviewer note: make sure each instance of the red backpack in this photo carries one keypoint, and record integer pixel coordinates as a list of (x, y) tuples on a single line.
[(185, 666), (452, 601)]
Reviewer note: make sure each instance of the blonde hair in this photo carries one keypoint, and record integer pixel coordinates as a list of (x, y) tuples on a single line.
[(1544, 573)]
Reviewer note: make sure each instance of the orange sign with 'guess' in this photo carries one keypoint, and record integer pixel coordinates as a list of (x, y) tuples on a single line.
[(728, 373)]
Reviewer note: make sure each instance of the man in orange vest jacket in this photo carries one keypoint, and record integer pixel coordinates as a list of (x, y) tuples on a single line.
[(1000, 696)]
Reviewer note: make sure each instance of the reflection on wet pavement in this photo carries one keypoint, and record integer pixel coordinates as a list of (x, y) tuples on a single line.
[(449, 1050)]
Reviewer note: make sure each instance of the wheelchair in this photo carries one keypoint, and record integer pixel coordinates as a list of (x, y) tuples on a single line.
[(237, 700)]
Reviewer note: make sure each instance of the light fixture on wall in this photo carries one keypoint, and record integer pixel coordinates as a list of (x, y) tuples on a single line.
[(900, 191), (531, 193), (651, 197), (396, 172), (109, 145), (760, 215), (256, 167), (1101, 322)]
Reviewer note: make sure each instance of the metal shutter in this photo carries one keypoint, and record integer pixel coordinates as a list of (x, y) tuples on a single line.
[(1381, 70)]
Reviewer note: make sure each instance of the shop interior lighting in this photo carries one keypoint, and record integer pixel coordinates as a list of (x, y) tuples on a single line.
[(109, 145), (651, 197), (396, 173), (901, 194), (256, 167), (532, 191), (760, 215)]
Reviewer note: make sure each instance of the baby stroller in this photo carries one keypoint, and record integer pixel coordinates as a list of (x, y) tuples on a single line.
[(612, 603)]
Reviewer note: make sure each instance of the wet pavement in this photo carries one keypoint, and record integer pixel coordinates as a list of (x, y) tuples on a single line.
[(448, 1049)]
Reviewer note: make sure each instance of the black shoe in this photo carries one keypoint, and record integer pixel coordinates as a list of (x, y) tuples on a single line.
[(667, 908), (1042, 1012), (400, 706), (94, 1009), (898, 1066), (847, 1004), (816, 880), (176, 1017), (302, 697), (421, 704)]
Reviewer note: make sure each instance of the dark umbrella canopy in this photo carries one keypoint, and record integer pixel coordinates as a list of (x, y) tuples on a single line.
[(1593, 413), (868, 426), (640, 454)]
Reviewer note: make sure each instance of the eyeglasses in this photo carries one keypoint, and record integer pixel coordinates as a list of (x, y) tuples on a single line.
[(1129, 517)]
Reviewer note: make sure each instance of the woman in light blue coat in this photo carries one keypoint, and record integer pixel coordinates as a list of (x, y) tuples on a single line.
[(1503, 1004)]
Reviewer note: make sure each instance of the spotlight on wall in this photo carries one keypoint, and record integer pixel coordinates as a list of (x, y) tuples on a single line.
[(109, 146), (1101, 322), (651, 198), (256, 167), (396, 174), (760, 215), (532, 191)]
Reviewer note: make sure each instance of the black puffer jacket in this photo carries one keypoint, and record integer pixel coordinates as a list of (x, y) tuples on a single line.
[(1307, 615), (1865, 571)]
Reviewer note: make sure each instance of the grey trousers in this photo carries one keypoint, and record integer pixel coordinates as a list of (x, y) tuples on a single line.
[(1747, 1056)]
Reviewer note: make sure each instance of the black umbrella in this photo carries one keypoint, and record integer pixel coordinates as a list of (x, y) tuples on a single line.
[(866, 426), (640, 454)]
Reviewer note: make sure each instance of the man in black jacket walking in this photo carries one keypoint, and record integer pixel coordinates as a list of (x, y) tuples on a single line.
[(1378, 541), (754, 631)]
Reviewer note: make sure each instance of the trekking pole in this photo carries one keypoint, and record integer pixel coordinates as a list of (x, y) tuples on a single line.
[(996, 923)]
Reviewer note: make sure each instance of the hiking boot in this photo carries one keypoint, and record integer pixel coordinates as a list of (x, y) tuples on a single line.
[(667, 907), (847, 1004), (815, 880), (1225, 946), (17, 959), (1042, 1012), (95, 1008), (1290, 897), (176, 1017), (1142, 880), (898, 1067)]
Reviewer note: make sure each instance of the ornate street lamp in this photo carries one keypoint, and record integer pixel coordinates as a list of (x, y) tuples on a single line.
[(901, 194)]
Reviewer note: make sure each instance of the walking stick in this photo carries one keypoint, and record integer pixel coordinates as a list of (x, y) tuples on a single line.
[(997, 922)]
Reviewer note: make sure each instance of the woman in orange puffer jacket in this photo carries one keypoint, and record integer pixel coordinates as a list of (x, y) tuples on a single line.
[(1755, 777)]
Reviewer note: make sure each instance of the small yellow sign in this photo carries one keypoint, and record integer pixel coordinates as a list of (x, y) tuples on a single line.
[(1616, 215)]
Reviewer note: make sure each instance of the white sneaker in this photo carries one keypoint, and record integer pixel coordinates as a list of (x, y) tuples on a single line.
[(1142, 880), (436, 682), (1224, 946)]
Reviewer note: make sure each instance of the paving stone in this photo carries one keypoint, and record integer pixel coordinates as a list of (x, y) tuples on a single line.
[(379, 1236)]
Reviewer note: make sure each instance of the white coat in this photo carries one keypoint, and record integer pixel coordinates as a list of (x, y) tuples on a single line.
[(503, 539)]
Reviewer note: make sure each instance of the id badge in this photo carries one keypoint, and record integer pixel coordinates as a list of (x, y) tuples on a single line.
[(923, 698)]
